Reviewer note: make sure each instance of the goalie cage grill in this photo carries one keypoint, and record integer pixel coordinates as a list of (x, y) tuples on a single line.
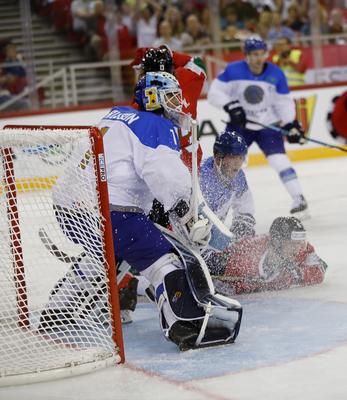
[(84, 332)]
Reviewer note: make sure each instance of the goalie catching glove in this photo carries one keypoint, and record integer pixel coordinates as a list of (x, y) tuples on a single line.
[(295, 132), (196, 233)]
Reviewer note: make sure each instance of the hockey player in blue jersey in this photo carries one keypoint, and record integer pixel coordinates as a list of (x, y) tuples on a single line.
[(224, 185), (143, 162), (257, 90)]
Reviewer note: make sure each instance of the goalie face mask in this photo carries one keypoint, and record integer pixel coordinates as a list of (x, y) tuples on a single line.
[(161, 92)]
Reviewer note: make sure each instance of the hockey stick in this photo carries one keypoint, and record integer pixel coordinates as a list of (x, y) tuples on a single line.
[(221, 234), (54, 250), (195, 183), (237, 279), (286, 133)]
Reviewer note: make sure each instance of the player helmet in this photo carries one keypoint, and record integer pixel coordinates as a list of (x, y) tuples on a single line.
[(286, 228), (156, 60), (161, 92), (254, 43), (229, 142)]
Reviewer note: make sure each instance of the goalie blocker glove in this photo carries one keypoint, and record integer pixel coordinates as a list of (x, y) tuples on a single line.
[(193, 232), (236, 113), (295, 132)]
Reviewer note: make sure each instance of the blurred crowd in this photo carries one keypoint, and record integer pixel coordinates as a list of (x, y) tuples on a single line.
[(182, 24), (115, 28)]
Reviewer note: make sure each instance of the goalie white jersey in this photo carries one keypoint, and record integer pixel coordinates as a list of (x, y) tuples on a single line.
[(142, 154)]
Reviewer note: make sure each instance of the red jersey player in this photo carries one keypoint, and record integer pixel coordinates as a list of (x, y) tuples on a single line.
[(190, 73), (337, 117), (279, 260)]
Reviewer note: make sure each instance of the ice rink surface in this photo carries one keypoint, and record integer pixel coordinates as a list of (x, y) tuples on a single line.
[(292, 344)]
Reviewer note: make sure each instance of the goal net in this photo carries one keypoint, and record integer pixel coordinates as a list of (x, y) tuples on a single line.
[(59, 309)]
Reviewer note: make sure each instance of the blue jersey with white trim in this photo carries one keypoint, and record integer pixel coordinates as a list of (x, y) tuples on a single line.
[(142, 153), (221, 198), (264, 97)]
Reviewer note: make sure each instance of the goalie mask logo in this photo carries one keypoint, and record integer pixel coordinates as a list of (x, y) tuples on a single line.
[(253, 94)]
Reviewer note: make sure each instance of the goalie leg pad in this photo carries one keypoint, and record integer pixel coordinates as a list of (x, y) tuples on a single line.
[(222, 315), (191, 323)]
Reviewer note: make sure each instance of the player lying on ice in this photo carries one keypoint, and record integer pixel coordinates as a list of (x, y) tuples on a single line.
[(143, 162), (279, 260), (264, 262)]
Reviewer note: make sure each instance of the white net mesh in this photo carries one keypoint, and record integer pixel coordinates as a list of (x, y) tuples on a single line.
[(54, 307)]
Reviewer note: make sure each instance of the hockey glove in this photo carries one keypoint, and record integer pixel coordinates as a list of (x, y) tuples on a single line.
[(193, 232), (295, 132), (236, 113)]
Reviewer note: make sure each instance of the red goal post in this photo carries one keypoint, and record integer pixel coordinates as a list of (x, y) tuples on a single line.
[(33, 160)]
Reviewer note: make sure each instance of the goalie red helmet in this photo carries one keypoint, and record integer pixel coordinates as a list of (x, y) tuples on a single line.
[(158, 60)]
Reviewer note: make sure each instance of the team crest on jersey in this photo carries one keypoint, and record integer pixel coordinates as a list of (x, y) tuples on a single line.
[(254, 94)]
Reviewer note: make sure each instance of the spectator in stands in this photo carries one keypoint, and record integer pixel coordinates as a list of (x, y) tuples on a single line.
[(194, 34), (83, 15), (87, 17), (205, 18), (295, 21), (229, 18), (264, 5), (230, 35), (147, 15), (3, 43), (127, 18), (265, 18), (174, 16), (113, 32), (245, 10), (13, 77), (250, 28), (278, 29), (166, 38), (336, 25), (290, 60)]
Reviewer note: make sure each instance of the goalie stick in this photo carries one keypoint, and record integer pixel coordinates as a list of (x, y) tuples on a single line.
[(54, 250), (195, 182), (122, 269)]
